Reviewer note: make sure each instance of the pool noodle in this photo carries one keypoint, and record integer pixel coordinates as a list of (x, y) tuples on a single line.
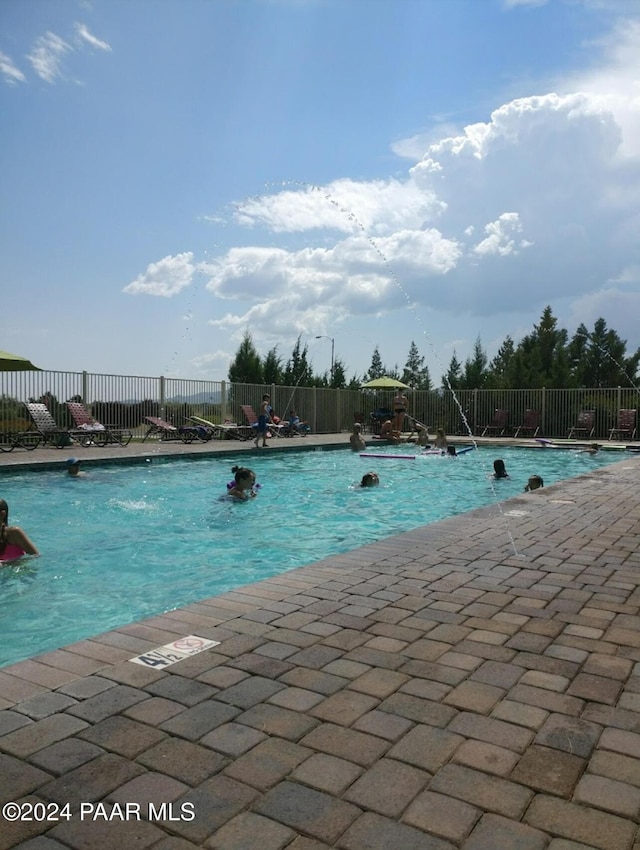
[(413, 457), (396, 457)]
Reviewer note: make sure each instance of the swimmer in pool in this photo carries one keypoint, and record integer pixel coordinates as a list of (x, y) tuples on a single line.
[(73, 468), (534, 483), (14, 543), (389, 433), (356, 439), (370, 479), (242, 486), (441, 439), (499, 469)]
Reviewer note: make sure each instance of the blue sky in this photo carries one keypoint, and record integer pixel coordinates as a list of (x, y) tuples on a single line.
[(174, 172)]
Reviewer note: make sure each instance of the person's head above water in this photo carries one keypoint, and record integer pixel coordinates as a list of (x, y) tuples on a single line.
[(499, 469), (244, 476), (370, 479), (534, 483)]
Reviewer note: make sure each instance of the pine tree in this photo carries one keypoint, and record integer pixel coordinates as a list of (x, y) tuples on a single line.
[(246, 367), (605, 359), (339, 377), (452, 378), (298, 370), (500, 366), (577, 354), (376, 370), (415, 373), (272, 367), (539, 351), (475, 368)]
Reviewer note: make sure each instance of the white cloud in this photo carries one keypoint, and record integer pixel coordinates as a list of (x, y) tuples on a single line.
[(499, 233), (536, 205), (84, 36), (11, 73), (165, 278), (378, 207), (615, 85), (46, 56)]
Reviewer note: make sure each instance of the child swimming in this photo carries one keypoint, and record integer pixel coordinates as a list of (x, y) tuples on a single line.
[(243, 484), (14, 543), (370, 479)]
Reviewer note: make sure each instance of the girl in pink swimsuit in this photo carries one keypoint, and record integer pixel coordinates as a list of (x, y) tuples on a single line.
[(14, 543)]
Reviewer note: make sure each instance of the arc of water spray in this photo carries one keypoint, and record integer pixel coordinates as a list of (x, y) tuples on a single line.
[(589, 336), (353, 218)]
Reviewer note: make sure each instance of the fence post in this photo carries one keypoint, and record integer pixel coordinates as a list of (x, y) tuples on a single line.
[(84, 387), (162, 397), (543, 411), (315, 410), (474, 427), (223, 401)]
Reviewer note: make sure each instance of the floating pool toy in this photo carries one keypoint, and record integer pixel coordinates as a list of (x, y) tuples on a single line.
[(395, 457), (428, 453)]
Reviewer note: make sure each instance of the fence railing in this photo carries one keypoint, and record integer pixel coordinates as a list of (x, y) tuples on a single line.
[(125, 400)]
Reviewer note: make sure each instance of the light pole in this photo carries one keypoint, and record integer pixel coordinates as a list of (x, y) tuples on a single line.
[(333, 343)]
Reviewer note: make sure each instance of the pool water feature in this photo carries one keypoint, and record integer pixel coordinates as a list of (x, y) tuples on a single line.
[(127, 542)]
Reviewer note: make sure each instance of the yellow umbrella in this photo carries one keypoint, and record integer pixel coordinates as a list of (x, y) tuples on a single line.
[(15, 363), (384, 383)]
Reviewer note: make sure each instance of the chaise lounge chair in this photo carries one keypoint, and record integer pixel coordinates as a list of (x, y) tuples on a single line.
[(10, 440), (585, 425), (46, 426), (89, 431), (226, 431), (252, 419), (626, 427), (530, 424), (498, 424), (167, 431)]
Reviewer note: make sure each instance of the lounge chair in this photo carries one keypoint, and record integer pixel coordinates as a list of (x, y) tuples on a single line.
[(530, 424), (94, 432), (295, 428), (226, 431), (167, 431), (626, 427), (252, 419), (378, 417), (47, 427), (498, 424), (28, 440), (585, 425)]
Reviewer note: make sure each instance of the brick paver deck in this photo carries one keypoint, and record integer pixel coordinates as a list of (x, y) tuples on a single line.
[(473, 684)]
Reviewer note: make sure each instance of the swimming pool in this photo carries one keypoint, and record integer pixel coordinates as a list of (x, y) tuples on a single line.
[(127, 542)]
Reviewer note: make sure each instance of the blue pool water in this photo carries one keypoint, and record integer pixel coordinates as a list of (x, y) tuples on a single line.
[(127, 542)]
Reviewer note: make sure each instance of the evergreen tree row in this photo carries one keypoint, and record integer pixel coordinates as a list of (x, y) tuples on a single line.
[(546, 357)]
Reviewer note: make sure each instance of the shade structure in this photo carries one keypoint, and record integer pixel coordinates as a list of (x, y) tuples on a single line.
[(384, 383), (15, 363)]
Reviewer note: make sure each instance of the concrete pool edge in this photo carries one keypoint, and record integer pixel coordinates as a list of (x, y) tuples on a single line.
[(167, 452), (314, 575), (461, 591)]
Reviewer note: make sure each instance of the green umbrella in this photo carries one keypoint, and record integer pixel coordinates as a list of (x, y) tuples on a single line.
[(384, 383), (15, 363)]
